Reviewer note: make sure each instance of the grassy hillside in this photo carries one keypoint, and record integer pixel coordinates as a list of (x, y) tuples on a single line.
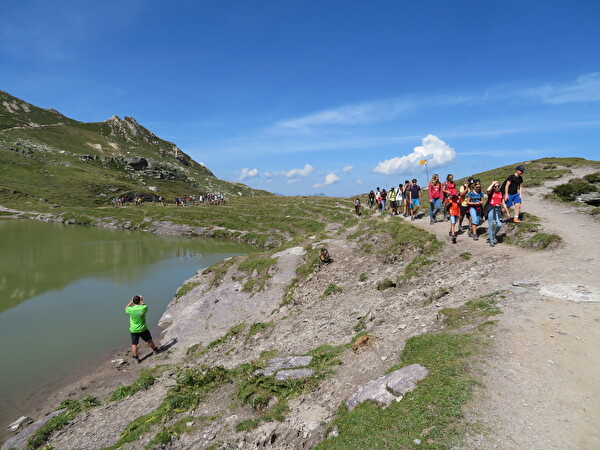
[(537, 171), (47, 158)]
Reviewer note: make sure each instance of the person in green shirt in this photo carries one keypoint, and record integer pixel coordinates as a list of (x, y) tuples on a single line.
[(137, 310)]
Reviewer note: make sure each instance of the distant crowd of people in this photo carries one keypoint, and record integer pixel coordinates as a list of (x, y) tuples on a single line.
[(467, 200), (183, 200)]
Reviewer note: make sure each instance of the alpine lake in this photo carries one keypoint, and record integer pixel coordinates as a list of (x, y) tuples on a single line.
[(63, 290)]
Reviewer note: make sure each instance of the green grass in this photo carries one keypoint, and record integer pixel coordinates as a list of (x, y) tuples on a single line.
[(256, 328), (256, 268), (219, 270), (331, 289), (145, 380), (187, 287), (436, 295), (465, 256), (432, 412), (192, 386), (363, 277), (73, 408)]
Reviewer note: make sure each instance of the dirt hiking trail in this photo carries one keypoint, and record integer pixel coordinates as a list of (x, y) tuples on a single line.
[(539, 383)]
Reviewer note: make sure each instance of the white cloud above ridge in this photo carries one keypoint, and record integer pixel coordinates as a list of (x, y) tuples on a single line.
[(248, 173), (331, 178), (301, 173), (435, 151), (347, 168)]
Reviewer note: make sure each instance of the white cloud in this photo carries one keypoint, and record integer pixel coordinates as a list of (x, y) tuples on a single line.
[(359, 114), (329, 179), (586, 88), (360, 181), (347, 168), (306, 171), (435, 151), (248, 173)]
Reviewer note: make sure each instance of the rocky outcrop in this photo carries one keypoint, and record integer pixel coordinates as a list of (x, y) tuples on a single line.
[(215, 309), (386, 389)]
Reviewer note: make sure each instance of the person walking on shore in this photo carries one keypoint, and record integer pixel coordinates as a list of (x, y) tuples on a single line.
[(137, 310)]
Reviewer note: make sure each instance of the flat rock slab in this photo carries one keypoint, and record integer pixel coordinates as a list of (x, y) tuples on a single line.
[(20, 440), (279, 365), (390, 387), (572, 292), (516, 290), (294, 374)]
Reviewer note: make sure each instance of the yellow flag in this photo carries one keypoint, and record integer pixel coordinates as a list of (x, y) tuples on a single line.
[(423, 161)]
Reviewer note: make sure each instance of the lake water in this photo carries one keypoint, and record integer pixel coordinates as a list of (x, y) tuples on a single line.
[(63, 290)]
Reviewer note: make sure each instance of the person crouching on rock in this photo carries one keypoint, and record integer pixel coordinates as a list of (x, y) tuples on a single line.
[(137, 310)]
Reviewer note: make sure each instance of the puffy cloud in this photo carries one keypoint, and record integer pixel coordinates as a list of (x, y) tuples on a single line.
[(295, 173), (248, 173), (434, 150), (347, 168), (329, 179)]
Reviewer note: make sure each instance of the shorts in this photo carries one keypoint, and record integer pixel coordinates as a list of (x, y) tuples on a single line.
[(513, 199), (415, 202), (464, 210), (454, 219), (475, 219), (145, 335), (393, 204)]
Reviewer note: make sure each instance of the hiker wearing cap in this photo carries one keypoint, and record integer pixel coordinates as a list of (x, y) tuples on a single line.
[(137, 310), (513, 191)]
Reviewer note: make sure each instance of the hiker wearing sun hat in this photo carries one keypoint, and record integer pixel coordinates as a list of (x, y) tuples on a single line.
[(513, 191)]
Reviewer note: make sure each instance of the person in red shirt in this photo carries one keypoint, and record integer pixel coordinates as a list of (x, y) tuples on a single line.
[(453, 207), (449, 189), (493, 209), (435, 196)]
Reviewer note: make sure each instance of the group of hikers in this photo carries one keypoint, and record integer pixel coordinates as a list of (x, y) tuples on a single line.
[(404, 200), (202, 199), (184, 200), (456, 202)]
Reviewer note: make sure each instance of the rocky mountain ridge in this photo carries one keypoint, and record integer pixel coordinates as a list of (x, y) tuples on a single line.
[(40, 143)]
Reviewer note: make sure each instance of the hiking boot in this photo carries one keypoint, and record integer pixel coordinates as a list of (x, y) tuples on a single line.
[(137, 359), (517, 220), (475, 237), (454, 239), (412, 218), (470, 233), (157, 350), (492, 244), (431, 221)]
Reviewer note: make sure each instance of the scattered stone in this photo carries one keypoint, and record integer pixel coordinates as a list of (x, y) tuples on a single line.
[(20, 423), (294, 374), (402, 326), (384, 358), (118, 362), (334, 433), (386, 389), (526, 283), (417, 441), (190, 424)]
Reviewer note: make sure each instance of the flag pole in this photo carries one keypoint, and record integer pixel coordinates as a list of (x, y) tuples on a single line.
[(424, 162)]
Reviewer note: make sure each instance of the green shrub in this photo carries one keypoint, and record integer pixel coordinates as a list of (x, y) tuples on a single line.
[(592, 177), (570, 191)]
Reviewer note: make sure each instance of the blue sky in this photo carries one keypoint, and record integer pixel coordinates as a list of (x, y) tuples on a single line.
[(334, 97)]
